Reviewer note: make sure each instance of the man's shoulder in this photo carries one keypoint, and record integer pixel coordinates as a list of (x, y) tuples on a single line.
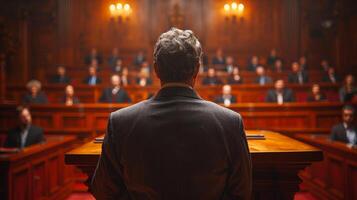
[(132, 109), (337, 127), (36, 129), (211, 107)]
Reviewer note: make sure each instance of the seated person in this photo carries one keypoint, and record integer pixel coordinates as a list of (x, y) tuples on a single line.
[(92, 78), (303, 63), (115, 94), (330, 76), (34, 95), (143, 78), (324, 65), (124, 78), (118, 66), (139, 59), (112, 60), (211, 78), (348, 91), (94, 63), (297, 75), (25, 134), (235, 78), (229, 64), (346, 131), (316, 95), (262, 79), (219, 59), (272, 58), (93, 55), (145, 66), (69, 99), (60, 77), (253, 63), (280, 94), (278, 66), (226, 98)]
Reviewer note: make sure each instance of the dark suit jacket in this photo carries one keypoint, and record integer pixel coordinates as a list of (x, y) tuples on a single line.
[(311, 98), (35, 136), (220, 99), (294, 78), (75, 100), (86, 80), (120, 97), (326, 78), (216, 61), (60, 80), (88, 59), (288, 96), (174, 146), (338, 133), (268, 80), (211, 81), (232, 81), (252, 67), (41, 98)]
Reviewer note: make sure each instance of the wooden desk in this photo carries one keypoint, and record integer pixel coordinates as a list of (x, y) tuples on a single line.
[(336, 176), (37, 172), (276, 163)]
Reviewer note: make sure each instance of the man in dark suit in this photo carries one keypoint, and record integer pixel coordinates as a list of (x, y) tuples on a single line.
[(92, 78), (345, 132), (262, 79), (280, 94), (174, 145), (115, 94), (25, 134), (297, 75), (61, 77), (34, 94), (253, 63), (94, 55), (226, 98), (330, 76), (211, 78)]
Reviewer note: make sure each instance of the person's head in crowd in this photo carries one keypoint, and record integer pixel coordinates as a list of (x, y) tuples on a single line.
[(278, 65), (255, 60), (125, 71), (69, 91), (302, 60), (348, 113), (143, 73), (349, 80), (24, 115), (235, 71), (177, 56), (92, 71), (260, 70), (94, 63), (295, 67), (219, 53), (211, 72), (315, 89), (115, 51), (115, 81), (119, 62), (226, 89), (61, 70), (145, 66), (34, 87), (229, 60), (324, 64), (279, 85), (94, 52), (272, 53), (331, 71)]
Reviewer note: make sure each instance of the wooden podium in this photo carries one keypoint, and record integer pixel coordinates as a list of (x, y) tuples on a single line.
[(276, 160)]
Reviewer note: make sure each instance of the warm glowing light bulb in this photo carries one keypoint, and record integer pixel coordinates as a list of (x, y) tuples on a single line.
[(127, 7), (227, 7), (112, 7), (240, 7), (119, 6), (234, 5)]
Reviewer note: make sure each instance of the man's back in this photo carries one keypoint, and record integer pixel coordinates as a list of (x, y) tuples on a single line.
[(174, 146)]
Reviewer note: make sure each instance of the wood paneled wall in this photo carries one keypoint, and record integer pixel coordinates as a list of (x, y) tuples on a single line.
[(46, 33)]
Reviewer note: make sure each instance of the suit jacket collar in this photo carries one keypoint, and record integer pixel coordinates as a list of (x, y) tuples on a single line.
[(175, 91)]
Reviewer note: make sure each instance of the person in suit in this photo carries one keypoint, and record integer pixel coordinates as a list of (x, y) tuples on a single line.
[(226, 98), (92, 78), (316, 95), (278, 66), (219, 58), (303, 63), (143, 78), (253, 63), (139, 59), (118, 66), (211, 78), (34, 94), (25, 134), (346, 131), (348, 91), (69, 98), (124, 77), (174, 145), (93, 55), (115, 94), (61, 77), (330, 76), (112, 60), (229, 64), (235, 78), (324, 65), (297, 75), (280, 94), (272, 58), (262, 79)]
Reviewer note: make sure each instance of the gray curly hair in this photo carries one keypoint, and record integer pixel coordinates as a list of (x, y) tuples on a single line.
[(177, 55)]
